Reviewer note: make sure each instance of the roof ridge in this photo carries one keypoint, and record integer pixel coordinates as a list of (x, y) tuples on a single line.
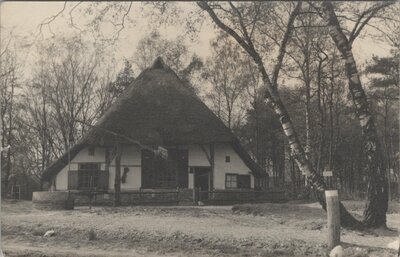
[(159, 64)]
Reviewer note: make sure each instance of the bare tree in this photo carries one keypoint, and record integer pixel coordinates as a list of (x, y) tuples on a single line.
[(64, 88), (72, 90), (228, 76), (9, 82)]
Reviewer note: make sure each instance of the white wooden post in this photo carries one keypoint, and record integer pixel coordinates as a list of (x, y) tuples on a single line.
[(333, 213)]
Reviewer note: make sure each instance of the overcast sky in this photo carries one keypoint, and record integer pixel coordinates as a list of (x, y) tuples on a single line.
[(23, 18)]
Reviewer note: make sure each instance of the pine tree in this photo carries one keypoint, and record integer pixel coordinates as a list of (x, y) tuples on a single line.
[(123, 81)]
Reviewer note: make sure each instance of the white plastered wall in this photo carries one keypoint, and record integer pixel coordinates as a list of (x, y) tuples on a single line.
[(236, 165), (197, 157), (131, 158)]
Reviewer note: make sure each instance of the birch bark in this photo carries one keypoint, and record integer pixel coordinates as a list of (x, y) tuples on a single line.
[(377, 202)]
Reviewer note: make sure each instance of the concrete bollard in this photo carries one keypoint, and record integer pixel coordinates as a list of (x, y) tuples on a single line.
[(333, 212)]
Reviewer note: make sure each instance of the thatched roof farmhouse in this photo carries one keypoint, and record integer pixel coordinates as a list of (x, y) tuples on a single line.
[(157, 110)]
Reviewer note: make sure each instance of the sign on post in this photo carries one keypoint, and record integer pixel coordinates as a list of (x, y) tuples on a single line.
[(162, 152), (328, 175)]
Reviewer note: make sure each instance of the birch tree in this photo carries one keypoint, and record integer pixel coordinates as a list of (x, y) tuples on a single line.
[(377, 202), (241, 21)]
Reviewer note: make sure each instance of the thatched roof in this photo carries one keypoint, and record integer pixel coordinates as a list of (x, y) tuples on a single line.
[(158, 109)]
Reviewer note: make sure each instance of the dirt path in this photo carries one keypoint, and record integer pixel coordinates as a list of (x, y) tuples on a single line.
[(284, 230), (24, 250)]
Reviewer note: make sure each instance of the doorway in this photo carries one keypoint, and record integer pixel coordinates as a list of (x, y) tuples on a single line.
[(202, 178)]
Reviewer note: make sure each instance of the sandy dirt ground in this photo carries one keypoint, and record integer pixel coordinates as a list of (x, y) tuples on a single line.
[(291, 229)]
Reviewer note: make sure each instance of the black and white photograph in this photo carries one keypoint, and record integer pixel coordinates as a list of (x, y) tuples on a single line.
[(200, 128)]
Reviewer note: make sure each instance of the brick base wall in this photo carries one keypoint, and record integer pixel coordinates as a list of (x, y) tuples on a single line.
[(179, 197), (139, 197)]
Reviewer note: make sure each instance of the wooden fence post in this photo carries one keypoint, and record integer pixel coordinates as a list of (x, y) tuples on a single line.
[(333, 212), (117, 180), (195, 195), (177, 196)]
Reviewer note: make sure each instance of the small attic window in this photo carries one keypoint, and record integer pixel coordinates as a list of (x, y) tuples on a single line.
[(227, 158), (91, 151)]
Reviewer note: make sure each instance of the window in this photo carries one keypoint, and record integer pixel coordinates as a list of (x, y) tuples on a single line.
[(91, 151), (231, 180), (88, 179), (237, 181), (88, 175), (227, 158)]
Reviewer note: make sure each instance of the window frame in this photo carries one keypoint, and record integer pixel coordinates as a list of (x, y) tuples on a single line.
[(84, 174), (228, 183), (227, 158)]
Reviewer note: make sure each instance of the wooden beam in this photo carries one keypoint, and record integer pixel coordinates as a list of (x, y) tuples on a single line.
[(211, 159), (110, 154), (206, 153), (212, 162), (178, 159), (117, 181), (107, 158)]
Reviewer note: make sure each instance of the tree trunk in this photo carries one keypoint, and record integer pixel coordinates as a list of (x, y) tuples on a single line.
[(330, 106), (117, 181), (307, 83), (321, 142), (386, 143), (377, 203)]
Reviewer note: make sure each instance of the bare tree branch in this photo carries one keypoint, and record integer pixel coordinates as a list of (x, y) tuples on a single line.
[(249, 49), (122, 24), (372, 12), (285, 40), (7, 45), (71, 18), (49, 20)]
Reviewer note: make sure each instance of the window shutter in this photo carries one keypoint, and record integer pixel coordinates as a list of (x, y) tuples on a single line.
[(73, 179), (103, 180), (244, 181)]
